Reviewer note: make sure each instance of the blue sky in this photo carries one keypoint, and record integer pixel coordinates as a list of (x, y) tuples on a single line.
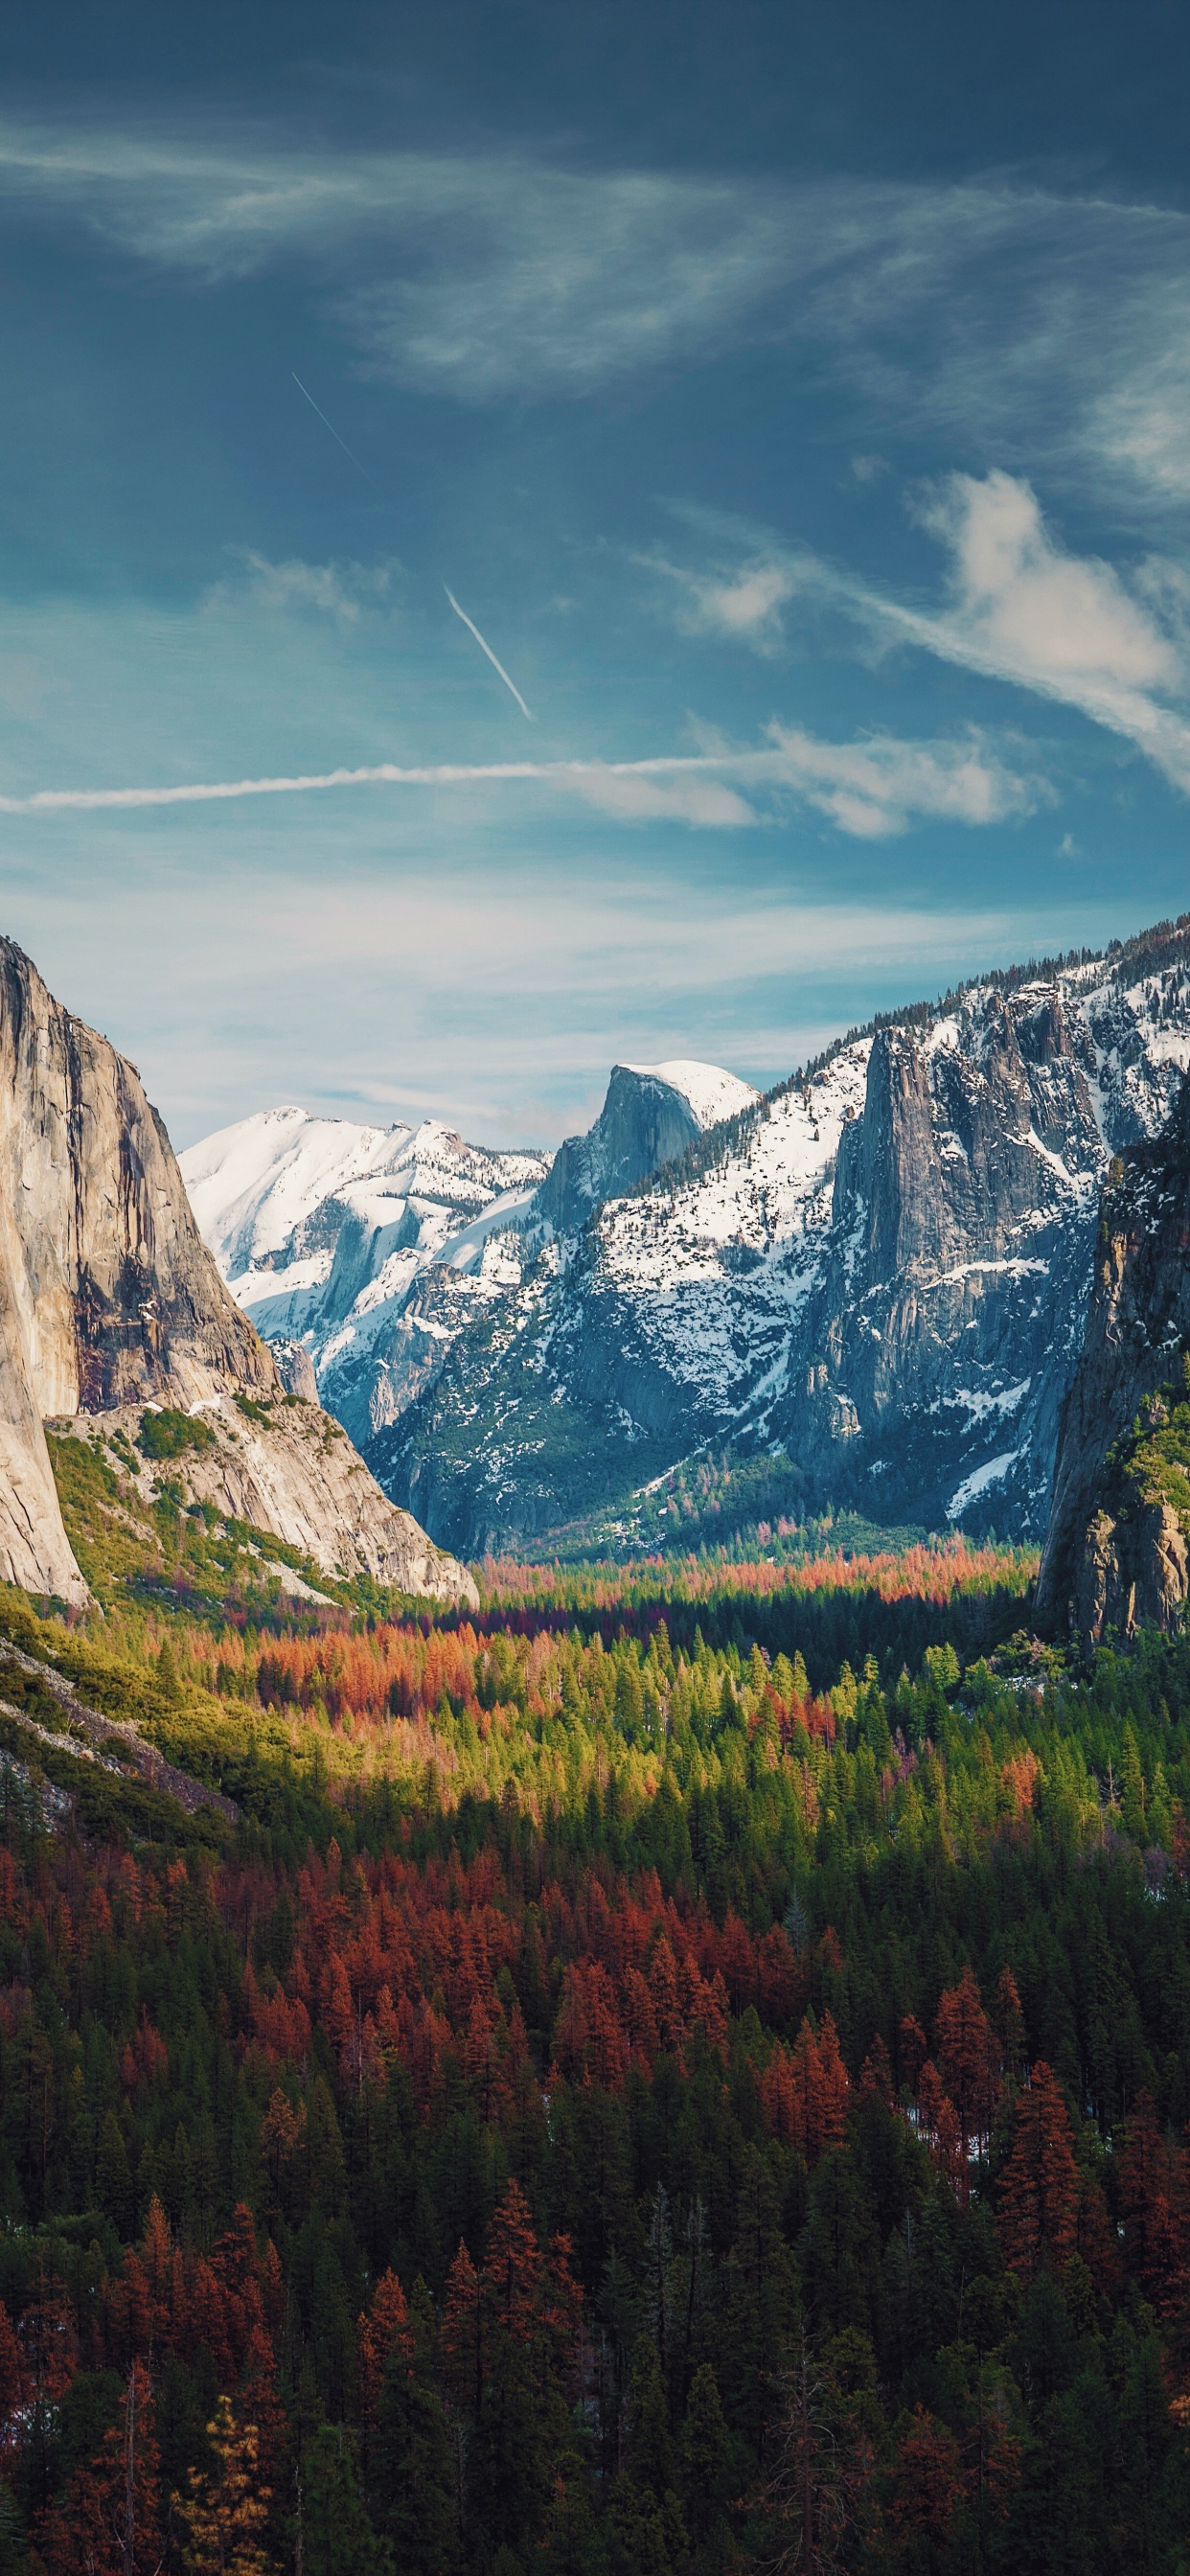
[(797, 409)]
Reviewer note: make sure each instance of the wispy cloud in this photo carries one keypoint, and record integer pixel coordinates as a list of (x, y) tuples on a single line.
[(1031, 321), (875, 788), (1017, 607), (742, 602), (337, 590), (1067, 627), (619, 969), (867, 788)]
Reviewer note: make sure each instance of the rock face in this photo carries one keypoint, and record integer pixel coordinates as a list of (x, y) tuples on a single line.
[(880, 1270), (290, 1471), (108, 1296), (1116, 1552), (651, 1114)]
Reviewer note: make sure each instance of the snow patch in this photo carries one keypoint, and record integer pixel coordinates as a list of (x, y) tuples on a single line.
[(993, 1472)]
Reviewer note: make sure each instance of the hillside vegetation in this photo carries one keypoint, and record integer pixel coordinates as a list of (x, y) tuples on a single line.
[(683, 2069)]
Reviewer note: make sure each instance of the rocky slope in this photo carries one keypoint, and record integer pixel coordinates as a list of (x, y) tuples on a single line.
[(108, 1296), (880, 1270), (1117, 1552), (289, 1471)]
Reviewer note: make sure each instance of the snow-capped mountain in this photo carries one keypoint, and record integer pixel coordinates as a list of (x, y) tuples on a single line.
[(324, 1229), (373, 1247), (651, 1114), (880, 1269)]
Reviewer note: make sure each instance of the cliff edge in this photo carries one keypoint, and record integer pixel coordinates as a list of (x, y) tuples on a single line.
[(1117, 1551), (110, 1299)]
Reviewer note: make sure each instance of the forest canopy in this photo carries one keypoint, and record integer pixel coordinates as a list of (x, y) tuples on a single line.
[(615, 2082)]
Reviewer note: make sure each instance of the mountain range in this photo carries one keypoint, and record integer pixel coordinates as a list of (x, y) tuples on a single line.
[(874, 1277)]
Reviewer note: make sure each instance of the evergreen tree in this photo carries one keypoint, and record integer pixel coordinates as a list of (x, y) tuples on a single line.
[(337, 2534)]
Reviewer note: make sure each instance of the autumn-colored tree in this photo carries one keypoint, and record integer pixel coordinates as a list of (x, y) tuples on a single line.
[(912, 2050), (11, 2380), (462, 2333), (821, 2087), (226, 2509), (1009, 2021), (876, 2077), (926, 2488), (968, 2058), (1151, 2204), (383, 2328), (1040, 2189), (512, 2271), (110, 2523)]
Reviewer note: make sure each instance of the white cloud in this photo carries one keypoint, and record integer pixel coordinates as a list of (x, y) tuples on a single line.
[(878, 787), (1064, 623), (338, 590), (1019, 608), (743, 603), (630, 797), (1064, 626)]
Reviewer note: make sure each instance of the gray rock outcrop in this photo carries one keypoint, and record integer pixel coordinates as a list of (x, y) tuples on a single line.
[(108, 1296), (1116, 1549), (645, 1121)]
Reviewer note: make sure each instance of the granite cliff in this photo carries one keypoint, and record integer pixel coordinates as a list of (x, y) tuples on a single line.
[(1117, 1553), (109, 1300)]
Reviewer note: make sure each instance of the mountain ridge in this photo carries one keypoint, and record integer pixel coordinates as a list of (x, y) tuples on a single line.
[(736, 1295), (877, 1271)]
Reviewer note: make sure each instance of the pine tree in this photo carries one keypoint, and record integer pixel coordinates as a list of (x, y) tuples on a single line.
[(650, 2454), (512, 2270), (705, 2456), (412, 2470), (926, 2490), (383, 2328), (337, 2534), (968, 2057), (113, 2176), (110, 2524), (1040, 2189)]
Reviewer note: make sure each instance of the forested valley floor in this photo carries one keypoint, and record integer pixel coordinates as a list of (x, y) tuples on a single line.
[(686, 2070)]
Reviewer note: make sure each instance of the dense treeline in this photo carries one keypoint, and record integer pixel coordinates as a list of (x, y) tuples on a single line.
[(613, 2103)]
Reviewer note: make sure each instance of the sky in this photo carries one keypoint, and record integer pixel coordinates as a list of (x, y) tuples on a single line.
[(664, 528)]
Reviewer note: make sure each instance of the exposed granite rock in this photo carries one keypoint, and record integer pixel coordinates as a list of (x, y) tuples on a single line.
[(644, 1122), (1116, 1553), (296, 1370), (288, 1469), (109, 1298)]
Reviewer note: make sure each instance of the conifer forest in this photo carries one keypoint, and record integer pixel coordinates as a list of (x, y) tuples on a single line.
[(674, 2072)]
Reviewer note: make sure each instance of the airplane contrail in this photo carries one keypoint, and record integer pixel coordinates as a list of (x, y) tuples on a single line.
[(469, 622), (53, 800), (329, 424)]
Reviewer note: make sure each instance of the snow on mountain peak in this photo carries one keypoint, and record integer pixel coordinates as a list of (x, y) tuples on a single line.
[(711, 1092)]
